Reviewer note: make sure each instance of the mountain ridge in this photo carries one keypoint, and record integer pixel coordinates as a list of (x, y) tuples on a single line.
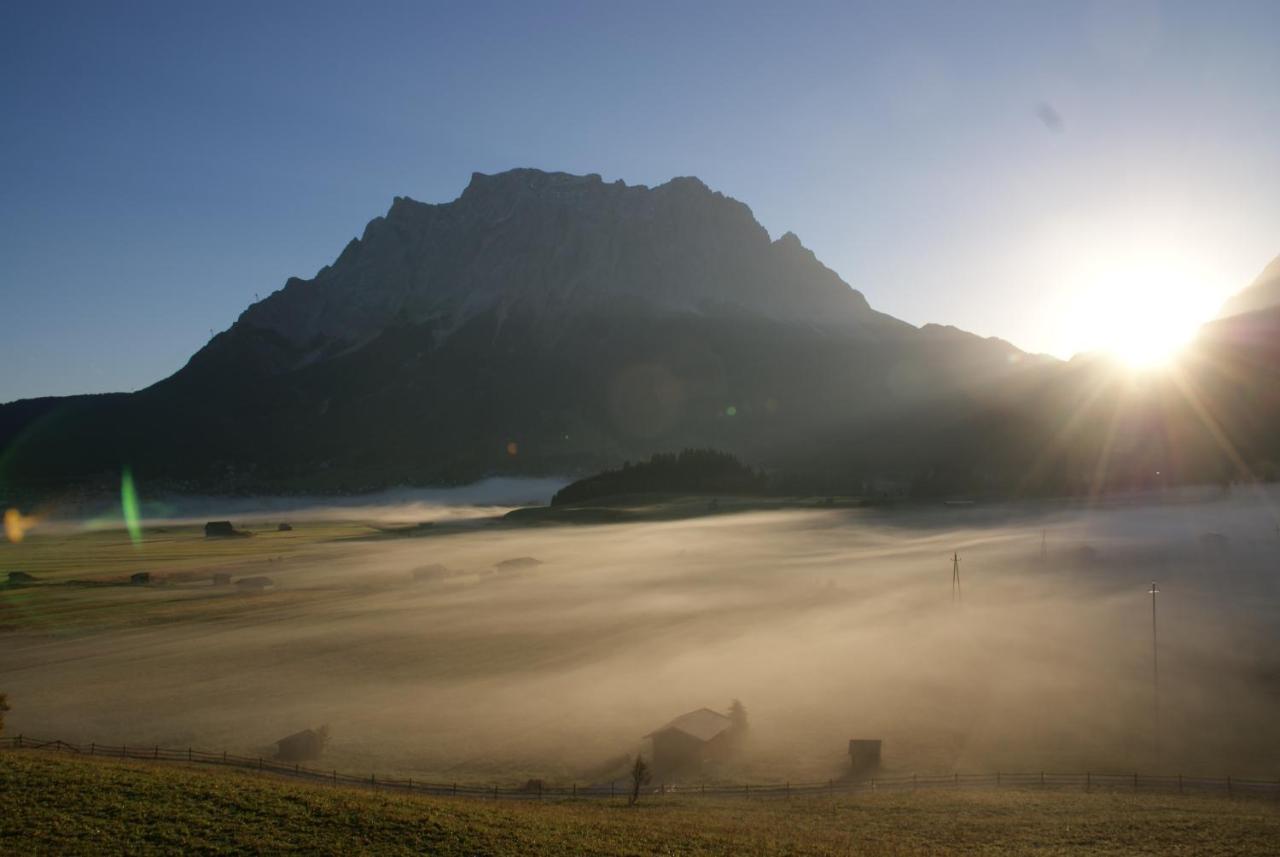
[(551, 324), (1263, 293), (425, 262)]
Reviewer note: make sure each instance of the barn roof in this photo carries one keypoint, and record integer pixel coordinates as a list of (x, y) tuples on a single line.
[(703, 724), (304, 735)]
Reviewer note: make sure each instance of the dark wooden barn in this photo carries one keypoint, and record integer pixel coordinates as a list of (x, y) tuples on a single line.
[(302, 746), (864, 753), (691, 740)]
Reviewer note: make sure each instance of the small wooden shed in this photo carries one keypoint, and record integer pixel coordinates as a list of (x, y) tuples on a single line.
[(864, 753), (302, 746)]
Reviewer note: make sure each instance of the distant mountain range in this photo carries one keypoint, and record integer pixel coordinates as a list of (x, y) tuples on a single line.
[(552, 324)]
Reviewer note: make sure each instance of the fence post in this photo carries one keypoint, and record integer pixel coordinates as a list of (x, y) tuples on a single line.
[(788, 789), (957, 779), (997, 779), (495, 792), (873, 783), (411, 784), (295, 769), (1228, 785), (373, 781), (188, 754), (1088, 781), (704, 788), (92, 748), (575, 789), (335, 776), (455, 789), (610, 788), (913, 781), (746, 789), (156, 753), (1179, 783), (1042, 778), (539, 789), (19, 742)]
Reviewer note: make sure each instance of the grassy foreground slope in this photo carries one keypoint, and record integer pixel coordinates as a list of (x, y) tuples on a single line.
[(78, 806)]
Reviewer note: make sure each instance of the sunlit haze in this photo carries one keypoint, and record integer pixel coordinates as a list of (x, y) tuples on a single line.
[(1140, 312), (708, 429)]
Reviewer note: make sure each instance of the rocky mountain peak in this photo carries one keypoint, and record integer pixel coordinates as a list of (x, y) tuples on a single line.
[(553, 245)]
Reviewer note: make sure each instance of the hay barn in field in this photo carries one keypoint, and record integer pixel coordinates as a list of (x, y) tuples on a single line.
[(864, 753), (301, 746), (691, 739)]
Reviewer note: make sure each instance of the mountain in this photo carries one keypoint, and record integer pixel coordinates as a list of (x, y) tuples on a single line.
[(541, 323), (1263, 293), (552, 324)]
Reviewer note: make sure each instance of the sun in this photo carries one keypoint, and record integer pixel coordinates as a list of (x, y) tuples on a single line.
[(1142, 314)]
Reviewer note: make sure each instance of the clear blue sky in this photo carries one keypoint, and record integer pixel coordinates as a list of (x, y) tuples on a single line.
[(162, 164)]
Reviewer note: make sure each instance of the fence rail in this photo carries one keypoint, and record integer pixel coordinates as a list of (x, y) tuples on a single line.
[(1088, 781)]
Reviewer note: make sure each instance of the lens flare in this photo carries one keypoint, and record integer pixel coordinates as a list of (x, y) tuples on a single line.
[(129, 506), (16, 525)]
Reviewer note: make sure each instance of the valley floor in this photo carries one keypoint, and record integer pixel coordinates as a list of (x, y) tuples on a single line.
[(56, 805)]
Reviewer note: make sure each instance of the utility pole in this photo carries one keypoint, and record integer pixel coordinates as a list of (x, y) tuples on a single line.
[(1155, 660), (956, 595)]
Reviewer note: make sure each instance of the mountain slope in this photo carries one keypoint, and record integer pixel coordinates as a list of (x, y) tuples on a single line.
[(1263, 293), (540, 323), (548, 324)]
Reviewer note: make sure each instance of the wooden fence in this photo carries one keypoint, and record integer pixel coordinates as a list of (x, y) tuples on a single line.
[(536, 790)]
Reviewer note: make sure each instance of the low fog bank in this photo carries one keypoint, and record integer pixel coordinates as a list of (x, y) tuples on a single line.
[(828, 625), (396, 505)]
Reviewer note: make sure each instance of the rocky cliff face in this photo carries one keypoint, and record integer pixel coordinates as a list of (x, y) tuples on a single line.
[(540, 323), (551, 247)]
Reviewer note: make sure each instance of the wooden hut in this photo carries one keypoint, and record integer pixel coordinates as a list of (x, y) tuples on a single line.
[(302, 746), (864, 753), (690, 740)]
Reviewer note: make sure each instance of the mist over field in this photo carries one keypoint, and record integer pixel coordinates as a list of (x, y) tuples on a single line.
[(828, 625), (397, 505)]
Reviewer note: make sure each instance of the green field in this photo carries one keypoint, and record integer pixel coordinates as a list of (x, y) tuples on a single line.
[(63, 805)]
